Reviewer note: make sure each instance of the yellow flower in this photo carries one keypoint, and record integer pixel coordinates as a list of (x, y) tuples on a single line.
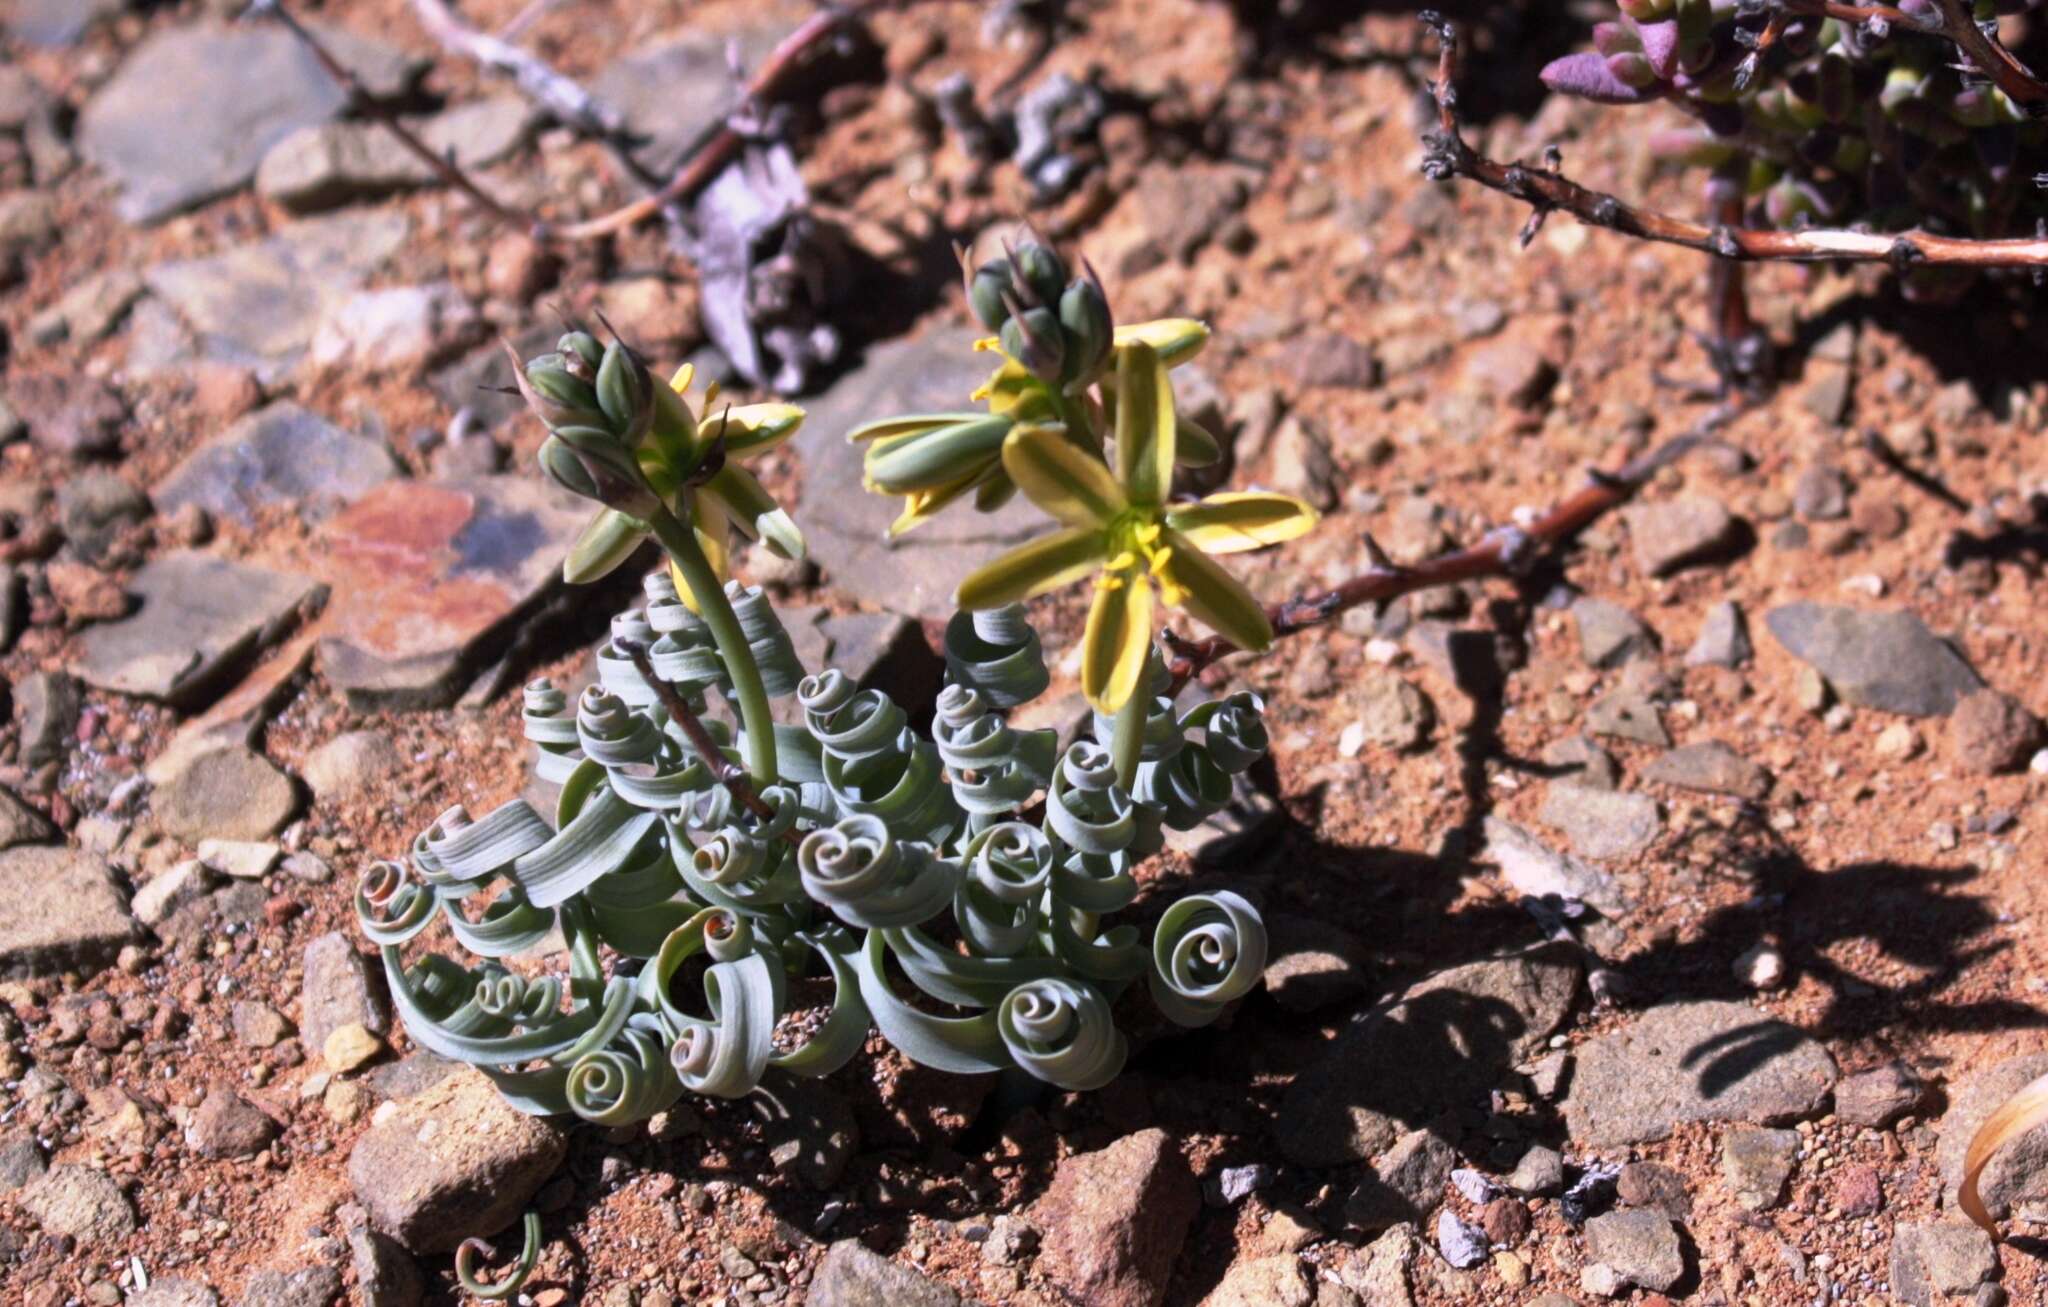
[(673, 457), (1120, 528), (933, 459)]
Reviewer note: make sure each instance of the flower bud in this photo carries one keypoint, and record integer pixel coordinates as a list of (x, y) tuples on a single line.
[(1090, 332), (565, 469), (559, 399), (1033, 338), (605, 469), (1043, 271), (625, 392), (986, 292), (930, 459), (581, 353)]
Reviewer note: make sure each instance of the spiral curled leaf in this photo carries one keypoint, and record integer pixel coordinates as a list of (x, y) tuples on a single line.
[(873, 764), (1186, 789), (391, 907), (836, 1042), (1233, 730), (1207, 950), (628, 1081), (770, 644), (848, 722), (964, 1045), (1062, 1032), (550, 726), (996, 653), (1085, 807), (869, 879), (995, 769), (1009, 867)]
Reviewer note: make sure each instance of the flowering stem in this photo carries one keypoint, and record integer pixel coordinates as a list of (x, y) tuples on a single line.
[(1127, 742), (755, 723)]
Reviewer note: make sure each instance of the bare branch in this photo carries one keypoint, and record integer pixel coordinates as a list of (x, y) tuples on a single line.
[(444, 167), (727, 772), (1546, 189), (561, 96), (1507, 551)]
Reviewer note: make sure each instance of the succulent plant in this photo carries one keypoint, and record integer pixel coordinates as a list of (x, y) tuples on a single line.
[(700, 865)]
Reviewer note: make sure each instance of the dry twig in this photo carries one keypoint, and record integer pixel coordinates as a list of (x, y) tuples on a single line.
[(1546, 190), (727, 772), (392, 122), (1506, 551), (561, 96)]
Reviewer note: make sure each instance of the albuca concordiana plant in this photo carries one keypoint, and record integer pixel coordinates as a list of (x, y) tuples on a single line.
[(705, 860)]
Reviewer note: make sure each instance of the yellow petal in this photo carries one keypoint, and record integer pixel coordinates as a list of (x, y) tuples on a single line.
[(751, 429), (1117, 640), (908, 424), (921, 506), (609, 540), (1232, 523), (1032, 569), (1061, 478), (1198, 584), (685, 374), (1176, 339), (1144, 424)]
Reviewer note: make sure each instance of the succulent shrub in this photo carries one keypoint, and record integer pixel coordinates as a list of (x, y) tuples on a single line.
[(704, 858), (1821, 114)]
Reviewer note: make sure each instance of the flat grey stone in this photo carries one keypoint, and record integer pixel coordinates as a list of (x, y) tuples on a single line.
[(1610, 635), (59, 911), (281, 454), (1694, 1061), (1393, 1070), (53, 24), (1538, 871), (671, 88), (175, 1291), (1756, 1163), (332, 163), (1884, 660), (1932, 1261), (1710, 767), (1627, 714), (259, 305), (1312, 963), (852, 1276), (1407, 1183), (193, 109), (200, 618), (1602, 823), (1671, 536), (80, 1201), (230, 793), (915, 574), (1641, 1246), (315, 1286), (46, 708), (21, 824)]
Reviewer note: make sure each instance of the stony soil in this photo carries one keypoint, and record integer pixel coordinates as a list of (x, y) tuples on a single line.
[(1848, 885)]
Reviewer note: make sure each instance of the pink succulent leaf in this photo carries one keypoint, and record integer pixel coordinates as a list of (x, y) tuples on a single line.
[(1587, 75), (1660, 44)]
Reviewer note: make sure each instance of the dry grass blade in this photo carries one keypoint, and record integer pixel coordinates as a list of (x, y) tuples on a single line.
[(2015, 1116)]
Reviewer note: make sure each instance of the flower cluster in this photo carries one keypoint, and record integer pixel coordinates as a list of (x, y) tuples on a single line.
[(704, 857)]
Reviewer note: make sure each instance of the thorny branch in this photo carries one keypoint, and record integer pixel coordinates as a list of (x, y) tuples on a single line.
[(728, 773), (1506, 551), (1546, 190)]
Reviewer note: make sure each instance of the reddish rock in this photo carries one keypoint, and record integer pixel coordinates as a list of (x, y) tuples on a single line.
[(427, 573), (227, 1125), (1113, 1221), (1856, 1190), (1993, 732), (1505, 1220)]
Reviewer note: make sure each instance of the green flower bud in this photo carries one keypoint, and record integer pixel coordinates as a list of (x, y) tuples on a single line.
[(986, 292), (1033, 338), (1043, 271), (580, 347), (625, 392), (565, 469), (559, 399), (1090, 331)]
